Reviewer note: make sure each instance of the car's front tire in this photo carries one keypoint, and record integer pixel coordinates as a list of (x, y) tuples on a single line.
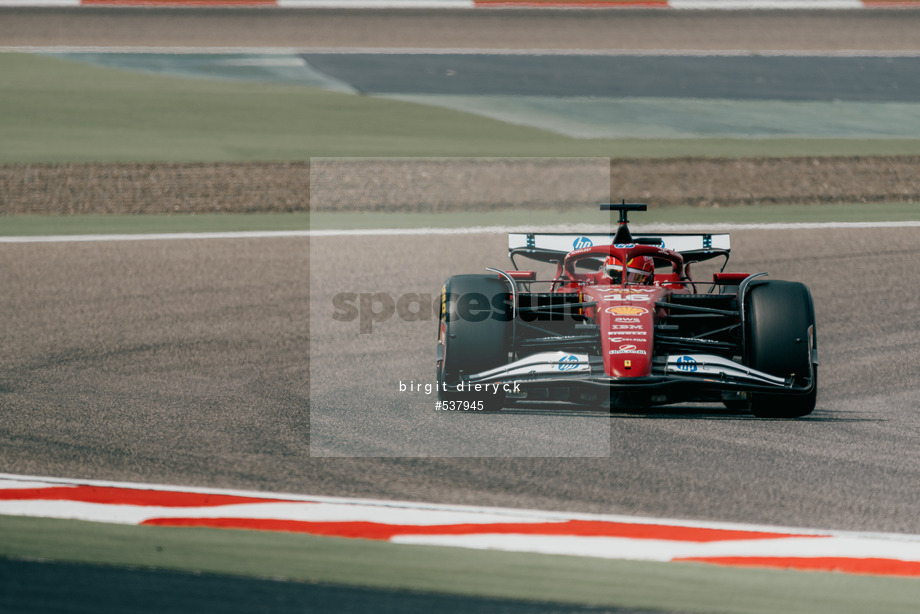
[(473, 336), (781, 324)]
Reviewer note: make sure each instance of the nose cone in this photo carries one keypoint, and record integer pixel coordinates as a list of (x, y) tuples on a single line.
[(626, 317)]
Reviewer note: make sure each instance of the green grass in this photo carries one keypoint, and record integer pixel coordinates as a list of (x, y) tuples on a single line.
[(35, 225), (636, 584), (55, 111)]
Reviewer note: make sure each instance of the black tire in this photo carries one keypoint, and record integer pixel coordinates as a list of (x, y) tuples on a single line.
[(474, 334), (779, 316)]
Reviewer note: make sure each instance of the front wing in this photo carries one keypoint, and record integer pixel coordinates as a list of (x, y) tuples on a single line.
[(701, 372)]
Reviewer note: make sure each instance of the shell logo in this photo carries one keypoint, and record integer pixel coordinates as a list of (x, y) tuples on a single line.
[(627, 310)]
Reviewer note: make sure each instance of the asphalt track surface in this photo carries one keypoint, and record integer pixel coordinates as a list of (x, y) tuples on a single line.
[(188, 362), (863, 79), (820, 30)]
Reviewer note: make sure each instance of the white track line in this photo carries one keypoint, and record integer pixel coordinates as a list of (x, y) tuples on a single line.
[(842, 53), (726, 5), (39, 3), (375, 232), (162, 236)]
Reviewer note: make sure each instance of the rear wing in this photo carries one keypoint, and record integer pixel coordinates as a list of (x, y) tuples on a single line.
[(550, 246)]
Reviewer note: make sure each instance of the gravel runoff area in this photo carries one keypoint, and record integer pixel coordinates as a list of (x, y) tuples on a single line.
[(649, 29), (441, 185)]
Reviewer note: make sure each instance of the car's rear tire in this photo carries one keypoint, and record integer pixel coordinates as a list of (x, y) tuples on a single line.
[(780, 317), (474, 335)]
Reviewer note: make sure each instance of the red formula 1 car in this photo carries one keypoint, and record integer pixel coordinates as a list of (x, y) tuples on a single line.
[(623, 322)]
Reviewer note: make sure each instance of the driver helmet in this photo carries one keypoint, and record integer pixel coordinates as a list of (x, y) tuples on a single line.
[(639, 270)]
